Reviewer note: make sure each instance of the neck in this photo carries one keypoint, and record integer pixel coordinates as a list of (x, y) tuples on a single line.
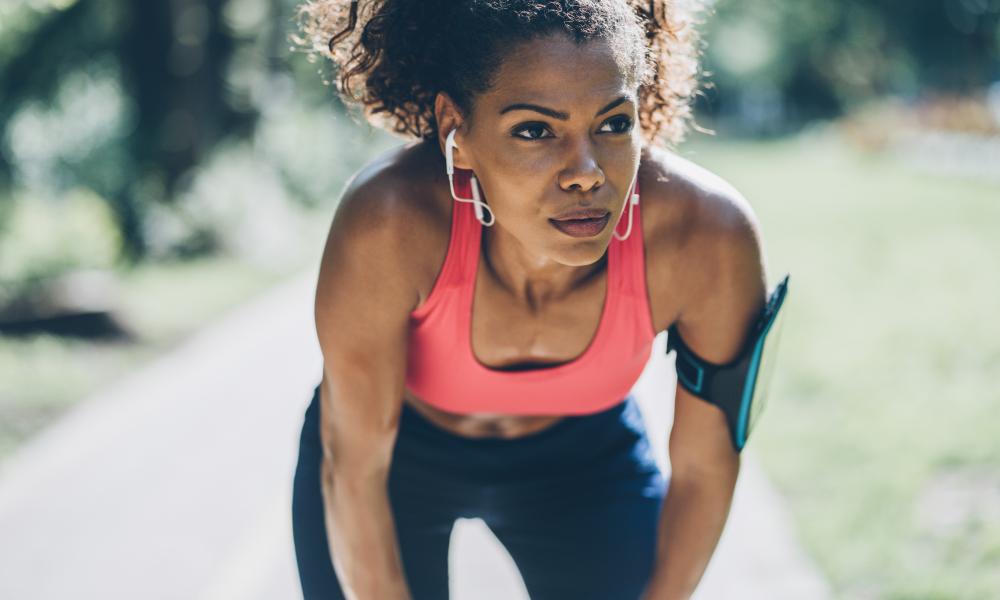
[(531, 278)]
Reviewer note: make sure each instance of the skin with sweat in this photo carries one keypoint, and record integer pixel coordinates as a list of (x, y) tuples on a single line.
[(539, 292)]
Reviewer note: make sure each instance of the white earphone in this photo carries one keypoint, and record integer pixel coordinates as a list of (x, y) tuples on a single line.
[(476, 199), (631, 200)]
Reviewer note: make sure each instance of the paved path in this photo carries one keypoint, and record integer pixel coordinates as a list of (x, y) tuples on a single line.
[(176, 483)]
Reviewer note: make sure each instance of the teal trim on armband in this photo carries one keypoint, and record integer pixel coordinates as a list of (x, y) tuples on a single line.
[(734, 387)]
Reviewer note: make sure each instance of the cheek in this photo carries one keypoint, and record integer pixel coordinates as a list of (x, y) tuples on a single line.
[(518, 184), (525, 162), (520, 205)]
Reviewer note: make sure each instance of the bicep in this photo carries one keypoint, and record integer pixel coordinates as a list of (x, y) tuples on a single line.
[(363, 299)]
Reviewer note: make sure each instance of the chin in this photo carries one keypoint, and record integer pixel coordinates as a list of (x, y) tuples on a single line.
[(582, 252)]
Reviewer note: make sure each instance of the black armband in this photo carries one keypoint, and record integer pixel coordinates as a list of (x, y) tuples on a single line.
[(740, 386)]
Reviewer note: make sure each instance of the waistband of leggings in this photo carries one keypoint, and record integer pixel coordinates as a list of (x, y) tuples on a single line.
[(413, 421)]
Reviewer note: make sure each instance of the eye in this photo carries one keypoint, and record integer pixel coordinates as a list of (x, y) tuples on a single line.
[(535, 127), (623, 122)]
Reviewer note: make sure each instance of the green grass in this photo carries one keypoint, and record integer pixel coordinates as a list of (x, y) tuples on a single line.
[(886, 383)]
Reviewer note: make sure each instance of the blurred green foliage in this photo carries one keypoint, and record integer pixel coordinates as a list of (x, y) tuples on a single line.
[(132, 99), (40, 238), (193, 120), (776, 64)]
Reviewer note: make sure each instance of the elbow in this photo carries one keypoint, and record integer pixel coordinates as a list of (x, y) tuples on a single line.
[(722, 473), (357, 456)]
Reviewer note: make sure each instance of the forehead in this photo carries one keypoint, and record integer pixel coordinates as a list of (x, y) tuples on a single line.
[(557, 72)]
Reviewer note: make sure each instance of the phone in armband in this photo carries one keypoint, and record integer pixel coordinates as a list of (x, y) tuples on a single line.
[(740, 386)]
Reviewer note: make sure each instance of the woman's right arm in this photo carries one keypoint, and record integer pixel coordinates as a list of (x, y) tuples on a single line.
[(364, 295)]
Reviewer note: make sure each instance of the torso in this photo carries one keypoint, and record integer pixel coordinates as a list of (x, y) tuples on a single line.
[(503, 329)]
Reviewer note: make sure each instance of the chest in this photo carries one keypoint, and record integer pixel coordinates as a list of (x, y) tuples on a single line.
[(509, 333), (477, 350)]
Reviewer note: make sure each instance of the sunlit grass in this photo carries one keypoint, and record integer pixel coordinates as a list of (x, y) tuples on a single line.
[(886, 380)]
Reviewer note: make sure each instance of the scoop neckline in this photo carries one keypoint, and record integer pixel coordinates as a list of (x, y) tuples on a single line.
[(538, 372)]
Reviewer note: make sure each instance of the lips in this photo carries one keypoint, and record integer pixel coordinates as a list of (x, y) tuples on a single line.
[(582, 227), (581, 213)]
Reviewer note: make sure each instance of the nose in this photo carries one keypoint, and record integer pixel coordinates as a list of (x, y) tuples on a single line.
[(582, 172)]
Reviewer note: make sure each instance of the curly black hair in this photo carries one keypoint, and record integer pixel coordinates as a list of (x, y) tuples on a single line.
[(406, 51)]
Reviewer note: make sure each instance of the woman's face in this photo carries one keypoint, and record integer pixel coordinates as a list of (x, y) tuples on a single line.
[(557, 132)]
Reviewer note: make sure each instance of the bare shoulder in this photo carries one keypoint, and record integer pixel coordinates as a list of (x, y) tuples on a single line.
[(681, 189), (389, 211), (698, 230), (390, 195)]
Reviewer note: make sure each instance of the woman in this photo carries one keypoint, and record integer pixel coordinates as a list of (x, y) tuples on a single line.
[(489, 293)]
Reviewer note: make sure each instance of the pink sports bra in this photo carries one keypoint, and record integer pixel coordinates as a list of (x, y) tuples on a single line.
[(442, 370)]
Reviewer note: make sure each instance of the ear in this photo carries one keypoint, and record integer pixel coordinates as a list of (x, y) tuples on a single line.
[(448, 116)]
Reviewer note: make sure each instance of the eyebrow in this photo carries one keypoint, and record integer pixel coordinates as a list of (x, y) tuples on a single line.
[(556, 114)]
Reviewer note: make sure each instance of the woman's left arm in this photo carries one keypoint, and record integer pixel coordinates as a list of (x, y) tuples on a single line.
[(728, 292)]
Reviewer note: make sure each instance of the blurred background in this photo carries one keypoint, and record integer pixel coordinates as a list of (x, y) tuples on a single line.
[(163, 163)]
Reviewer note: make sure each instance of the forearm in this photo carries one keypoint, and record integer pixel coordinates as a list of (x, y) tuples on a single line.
[(362, 536), (691, 522)]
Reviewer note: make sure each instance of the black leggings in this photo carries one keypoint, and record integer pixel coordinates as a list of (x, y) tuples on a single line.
[(576, 505)]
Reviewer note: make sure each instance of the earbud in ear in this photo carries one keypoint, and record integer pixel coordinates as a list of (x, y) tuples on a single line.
[(449, 144)]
